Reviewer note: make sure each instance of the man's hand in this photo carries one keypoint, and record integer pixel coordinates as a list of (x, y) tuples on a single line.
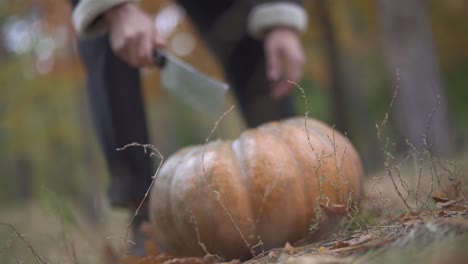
[(133, 35), (284, 60)]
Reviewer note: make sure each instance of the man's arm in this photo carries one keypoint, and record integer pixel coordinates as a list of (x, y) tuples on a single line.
[(279, 23), (133, 36)]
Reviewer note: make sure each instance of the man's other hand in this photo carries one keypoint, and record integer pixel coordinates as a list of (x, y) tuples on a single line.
[(284, 60), (132, 34)]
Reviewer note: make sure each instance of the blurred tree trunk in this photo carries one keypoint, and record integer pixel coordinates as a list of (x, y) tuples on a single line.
[(413, 66), (346, 90), (362, 124), (339, 109)]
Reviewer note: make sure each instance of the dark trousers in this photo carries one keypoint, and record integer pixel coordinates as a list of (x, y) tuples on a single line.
[(118, 111)]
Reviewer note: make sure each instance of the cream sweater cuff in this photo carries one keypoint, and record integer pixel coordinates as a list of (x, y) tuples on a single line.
[(265, 16), (87, 16)]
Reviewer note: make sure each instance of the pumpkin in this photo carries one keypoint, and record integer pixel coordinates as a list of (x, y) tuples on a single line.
[(236, 198)]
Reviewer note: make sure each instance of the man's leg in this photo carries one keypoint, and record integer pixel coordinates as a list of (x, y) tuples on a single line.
[(118, 115)]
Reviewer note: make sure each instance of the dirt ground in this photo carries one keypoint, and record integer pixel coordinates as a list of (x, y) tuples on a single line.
[(390, 228), (437, 236)]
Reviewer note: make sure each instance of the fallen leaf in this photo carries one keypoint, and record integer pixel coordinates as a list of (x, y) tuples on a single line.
[(289, 249), (455, 189), (362, 247), (442, 213), (407, 216), (439, 199), (413, 222), (340, 244), (272, 254), (354, 241), (441, 205), (457, 208), (334, 208)]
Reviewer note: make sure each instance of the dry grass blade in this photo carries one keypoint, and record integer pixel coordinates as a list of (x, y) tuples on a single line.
[(161, 157), (26, 242)]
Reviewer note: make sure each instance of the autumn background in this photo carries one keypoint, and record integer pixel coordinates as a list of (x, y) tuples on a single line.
[(52, 173)]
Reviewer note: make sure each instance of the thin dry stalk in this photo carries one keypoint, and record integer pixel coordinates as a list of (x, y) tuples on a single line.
[(320, 178), (192, 218), (383, 145), (218, 198), (317, 207), (69, 245), (426, 140), (197, 233), (161, 157), (260, 245), (26, 242), (381, 204), (267, 193), (417, 194), (211, 134)]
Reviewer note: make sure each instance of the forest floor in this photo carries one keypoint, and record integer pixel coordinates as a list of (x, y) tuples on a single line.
[(389, 229), (431, 237)]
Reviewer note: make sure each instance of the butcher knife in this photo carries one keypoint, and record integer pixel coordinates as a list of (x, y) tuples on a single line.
[(190, 86)]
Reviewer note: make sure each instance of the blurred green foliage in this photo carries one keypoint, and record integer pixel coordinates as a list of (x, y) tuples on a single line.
[(46, 136), (456, 78), (43, 130)]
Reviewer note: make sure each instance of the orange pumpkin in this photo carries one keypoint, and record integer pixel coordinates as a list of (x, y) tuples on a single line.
[(236, 198)]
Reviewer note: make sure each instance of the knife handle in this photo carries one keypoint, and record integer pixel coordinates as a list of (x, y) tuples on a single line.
[(160, 58)]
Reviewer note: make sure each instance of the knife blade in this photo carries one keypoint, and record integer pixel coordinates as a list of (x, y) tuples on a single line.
[(189, 85)]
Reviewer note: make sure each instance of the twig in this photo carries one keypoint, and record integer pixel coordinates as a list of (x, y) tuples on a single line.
[(27, 243), (211, 134), (218, 198), (317, 207), (197, 233), (426, 140), (145, 147), (386, 153)]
